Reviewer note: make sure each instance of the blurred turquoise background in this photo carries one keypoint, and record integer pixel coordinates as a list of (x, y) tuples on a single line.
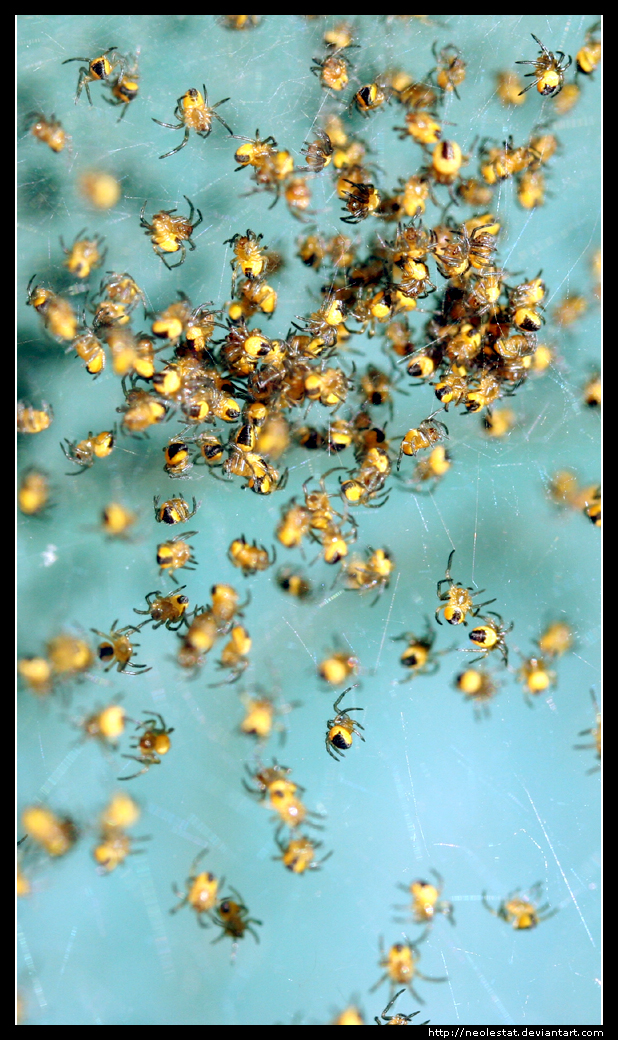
[(493, 804)]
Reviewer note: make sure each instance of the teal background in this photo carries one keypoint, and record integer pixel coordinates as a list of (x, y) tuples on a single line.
[(492, 804)]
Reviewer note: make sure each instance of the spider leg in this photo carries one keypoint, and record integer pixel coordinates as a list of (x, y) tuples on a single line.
[(430, 978), (134, 775), (160, 254), (181, 145), (382, 979), (542, 46), (82, 82), (217, 116), (330, 750), (177, 892), (277, 193)]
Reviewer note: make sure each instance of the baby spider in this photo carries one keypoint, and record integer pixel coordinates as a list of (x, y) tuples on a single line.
[(201, 891), (299, 853), (479, 687), (426, 901), (113, 848), (490, 636), (154, 743), (261, 715), (373, 573), (249, 558), (166, 610), (105, 724), (548, 72), (271, 782), (400, 964), (125, 87), (318, 153), (396, 1020), (99, 68), (332, 70), (522, 913), (341, 729), (117, 649), (174, 511), (428, 432), (338, 666), (457, 599), (370, 97), (418, 655), (589, 54), (85, 255), (362, 200), (450, 70), (116, 521), (94, 446), (56, 834), (176, 553), (49, 131), (194, 113), (233, 918), (33, 493), (168, 234), (535, 676), (250, 260), (234, 655)]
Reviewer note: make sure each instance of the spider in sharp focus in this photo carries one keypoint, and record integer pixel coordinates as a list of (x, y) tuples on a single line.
[(548, 72), (398, 1019), (490, 636), (341, 729), (168, 234), (194, 113), (457, 599), (117, 649), (99, 68)]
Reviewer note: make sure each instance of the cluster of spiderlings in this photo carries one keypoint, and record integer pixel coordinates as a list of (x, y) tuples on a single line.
[(114, 844), (565, 491), (273, 172), (270, 785), (118, 72), (209, 623), (67, 656), (258, 395), (400, 962), (202, 895), (535, 674)]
